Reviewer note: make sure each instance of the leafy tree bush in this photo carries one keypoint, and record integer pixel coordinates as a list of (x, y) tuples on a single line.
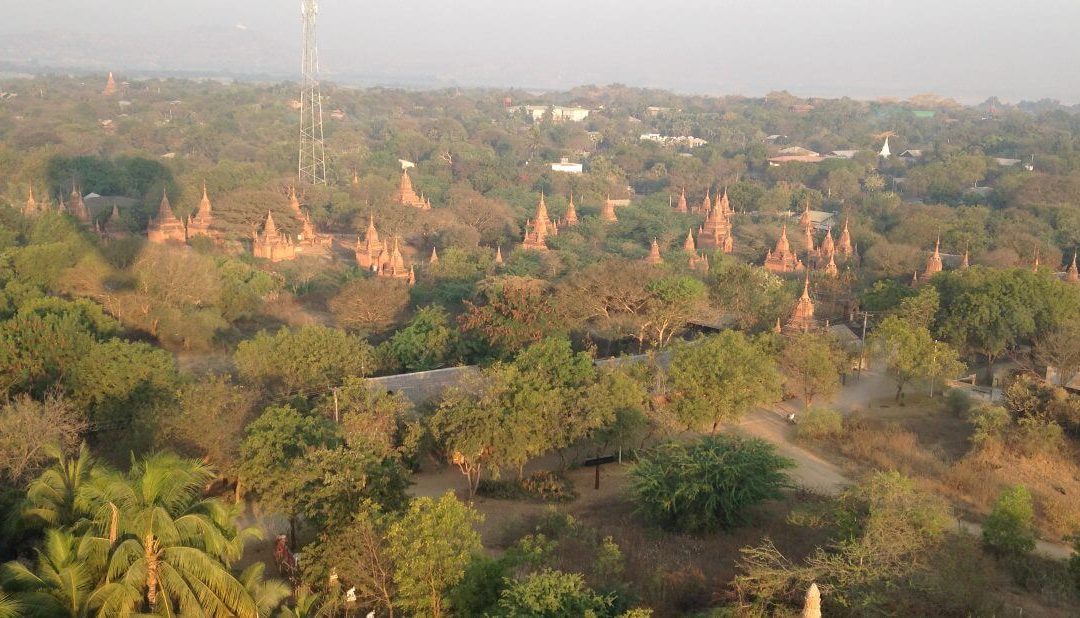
[(887, 538), (431, 546), (543, 486), (721, 378), (553, 594), (709, 484), (818, 423), (428, 342), (310, 358), (990, 423), (1009, 530)]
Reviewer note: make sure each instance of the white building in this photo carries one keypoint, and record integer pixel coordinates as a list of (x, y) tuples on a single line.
[(558, 113), (564, 165)]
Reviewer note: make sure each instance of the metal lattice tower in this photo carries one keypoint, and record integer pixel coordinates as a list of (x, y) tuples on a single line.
[(312, 165)]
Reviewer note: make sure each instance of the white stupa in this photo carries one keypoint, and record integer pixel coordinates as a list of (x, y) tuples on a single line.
[(885, 152)]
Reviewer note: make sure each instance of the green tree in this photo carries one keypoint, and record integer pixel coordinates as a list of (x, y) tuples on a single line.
[(886, 535), (210, 401), (373, 417), (431, 545), (1009, 530), (553, 594), (472, 426), (709, 484), (359, 554), (428, 342), (752, 295), (811, 365), (904, 348), (720, 379), (271, 453), (310, 358)]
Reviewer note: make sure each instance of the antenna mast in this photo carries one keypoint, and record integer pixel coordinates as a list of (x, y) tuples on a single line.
[(312, 163)]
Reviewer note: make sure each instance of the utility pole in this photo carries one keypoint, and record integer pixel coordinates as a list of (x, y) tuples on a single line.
[(337, 416), (862, 345), (312, 159)]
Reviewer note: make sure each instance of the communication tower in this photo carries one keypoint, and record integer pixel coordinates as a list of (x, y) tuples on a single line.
[(312, 160)]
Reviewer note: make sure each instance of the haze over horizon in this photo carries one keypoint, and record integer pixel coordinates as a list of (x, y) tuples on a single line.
[(965, 49)]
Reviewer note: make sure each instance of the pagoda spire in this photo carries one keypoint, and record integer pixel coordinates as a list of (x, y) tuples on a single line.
[(571, 212), (681, 205), (498, 255), (933, 263), (607, 212), (706, 204), (31, 203), (294, 202), (830, 268), (270, 228), (110, 86), (844, 246), (688, 244), (1071, 273), (1035, 265), (165, 212), (964, 263), (434, 259), (782, 245), (802, 318), (654, 254), (806, 221), (723, 205)]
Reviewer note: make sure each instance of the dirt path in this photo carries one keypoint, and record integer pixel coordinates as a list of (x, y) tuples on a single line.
[(818, 474)]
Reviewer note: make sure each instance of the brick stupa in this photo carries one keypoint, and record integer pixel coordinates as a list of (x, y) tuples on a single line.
[(536, 232), (782, 259), (716, 233), (654, 256), (406, 195), (201, 223), (369, 250), (166, 227), (802, 318), (933, 263), (571, 218), (271, 243), (607, 211)]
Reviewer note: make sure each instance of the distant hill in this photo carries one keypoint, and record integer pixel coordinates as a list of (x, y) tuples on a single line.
[(221, 50)]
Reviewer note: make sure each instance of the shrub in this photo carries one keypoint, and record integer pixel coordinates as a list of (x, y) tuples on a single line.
[(958, 403), (818, 423), (708, 484), (1033, 436), (1009, 530), (478, 591), (990, 423), (542, 486), (555, 594)]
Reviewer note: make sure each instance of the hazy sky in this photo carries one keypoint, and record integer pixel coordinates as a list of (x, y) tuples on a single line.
[(969, 49)]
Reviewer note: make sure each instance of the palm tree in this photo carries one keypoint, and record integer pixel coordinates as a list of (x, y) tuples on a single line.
[(53, 497), (60, 583), (267, 593), (9, 607), (166, 548), (306, 606)]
